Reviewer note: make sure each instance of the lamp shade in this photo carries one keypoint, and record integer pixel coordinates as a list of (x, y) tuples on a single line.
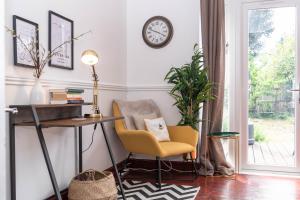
[(89, 57)]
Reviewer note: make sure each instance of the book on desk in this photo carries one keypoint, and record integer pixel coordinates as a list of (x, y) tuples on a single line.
[(66, 96)]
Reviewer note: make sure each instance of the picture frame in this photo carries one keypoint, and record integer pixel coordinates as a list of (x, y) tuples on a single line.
[(27, 31), (61, 29)]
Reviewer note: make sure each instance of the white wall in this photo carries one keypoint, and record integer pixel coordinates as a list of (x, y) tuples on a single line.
[(2, 118), (107, 20), (147, 67), (128, 69)]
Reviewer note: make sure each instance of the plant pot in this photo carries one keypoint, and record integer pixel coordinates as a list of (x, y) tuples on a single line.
[(37, 95)]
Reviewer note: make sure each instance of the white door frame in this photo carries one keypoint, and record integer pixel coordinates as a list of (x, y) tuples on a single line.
[(3, 149), (242, 81)]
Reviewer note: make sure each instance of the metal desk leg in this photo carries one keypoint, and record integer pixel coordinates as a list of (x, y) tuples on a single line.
[(80, 149), (12, 152), (46, 154), (113, 160)]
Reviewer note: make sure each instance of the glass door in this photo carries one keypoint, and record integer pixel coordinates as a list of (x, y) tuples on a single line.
[(272, 77)]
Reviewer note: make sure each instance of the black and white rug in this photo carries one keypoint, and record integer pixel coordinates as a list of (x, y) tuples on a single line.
[(138, 190)]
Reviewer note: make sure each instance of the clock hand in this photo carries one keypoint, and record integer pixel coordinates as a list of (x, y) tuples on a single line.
[(157, 32)]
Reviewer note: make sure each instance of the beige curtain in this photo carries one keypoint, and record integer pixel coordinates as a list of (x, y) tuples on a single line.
[(212, 156)]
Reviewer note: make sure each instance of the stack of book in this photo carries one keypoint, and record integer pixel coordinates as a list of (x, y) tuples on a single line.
[(74, 95), (58, 96), (66, 96)]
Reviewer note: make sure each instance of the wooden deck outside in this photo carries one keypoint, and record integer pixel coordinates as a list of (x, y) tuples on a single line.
[(272, 154)]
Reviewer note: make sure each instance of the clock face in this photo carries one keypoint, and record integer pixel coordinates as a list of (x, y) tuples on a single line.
[(157, 32)]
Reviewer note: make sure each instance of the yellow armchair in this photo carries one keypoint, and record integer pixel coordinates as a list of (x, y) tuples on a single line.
[(183, 139)]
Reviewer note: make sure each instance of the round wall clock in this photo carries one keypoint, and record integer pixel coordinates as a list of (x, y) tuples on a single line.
[(157, 32)]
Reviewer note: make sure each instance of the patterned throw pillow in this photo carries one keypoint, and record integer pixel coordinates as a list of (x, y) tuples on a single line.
[(158, 128)]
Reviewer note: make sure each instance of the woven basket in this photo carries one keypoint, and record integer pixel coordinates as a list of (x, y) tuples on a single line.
[(93, 185)]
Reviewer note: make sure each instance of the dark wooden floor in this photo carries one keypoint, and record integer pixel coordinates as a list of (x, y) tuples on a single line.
[(246, 187), (242, 187)]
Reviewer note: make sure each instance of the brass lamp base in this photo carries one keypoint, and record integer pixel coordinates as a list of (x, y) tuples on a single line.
[(98, 115)]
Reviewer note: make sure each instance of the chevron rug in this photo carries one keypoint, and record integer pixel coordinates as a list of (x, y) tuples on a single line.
[(137, 190)]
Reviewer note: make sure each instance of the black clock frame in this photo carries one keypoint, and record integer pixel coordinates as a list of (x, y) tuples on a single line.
[(170, 35)]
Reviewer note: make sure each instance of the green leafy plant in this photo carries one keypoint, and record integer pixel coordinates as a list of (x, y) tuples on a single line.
[(191, 87)]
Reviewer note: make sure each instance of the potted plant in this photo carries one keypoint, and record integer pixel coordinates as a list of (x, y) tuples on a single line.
[(191, 88), (39, 58)]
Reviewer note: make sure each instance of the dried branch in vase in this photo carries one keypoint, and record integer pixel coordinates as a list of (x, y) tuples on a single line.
[(40, 57)]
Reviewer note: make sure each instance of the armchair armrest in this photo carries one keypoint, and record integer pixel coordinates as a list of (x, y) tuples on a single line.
[(185, 134), (140, 141)]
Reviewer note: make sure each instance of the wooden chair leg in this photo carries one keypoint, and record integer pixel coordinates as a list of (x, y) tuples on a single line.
[(158, 172)]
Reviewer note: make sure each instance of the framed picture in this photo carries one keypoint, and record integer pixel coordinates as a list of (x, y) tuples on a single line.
[(61, 30), (27, 38)]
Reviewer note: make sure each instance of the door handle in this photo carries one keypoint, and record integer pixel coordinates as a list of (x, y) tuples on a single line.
[(11, 110)]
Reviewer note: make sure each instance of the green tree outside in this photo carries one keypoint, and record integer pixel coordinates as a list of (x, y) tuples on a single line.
[(272, 76)]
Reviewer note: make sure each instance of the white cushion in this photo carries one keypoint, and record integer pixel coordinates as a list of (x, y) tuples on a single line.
[(158, 128)]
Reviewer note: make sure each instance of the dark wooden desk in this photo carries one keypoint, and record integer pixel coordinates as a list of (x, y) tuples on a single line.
[(47, 116)]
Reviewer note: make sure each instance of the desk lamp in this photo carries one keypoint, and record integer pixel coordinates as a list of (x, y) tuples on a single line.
[(90, 57)]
